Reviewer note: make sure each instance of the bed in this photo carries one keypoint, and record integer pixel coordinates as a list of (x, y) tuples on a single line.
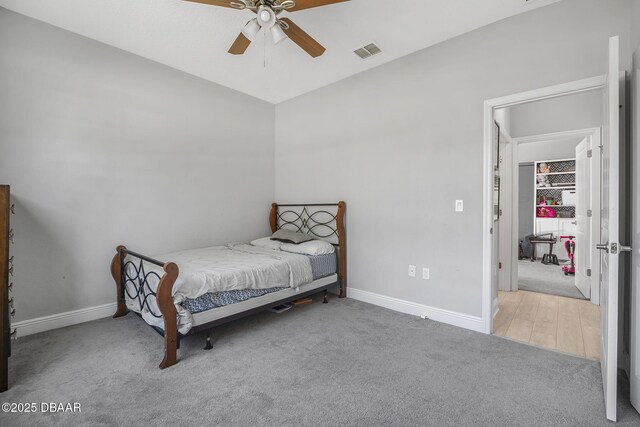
[(190, 291)]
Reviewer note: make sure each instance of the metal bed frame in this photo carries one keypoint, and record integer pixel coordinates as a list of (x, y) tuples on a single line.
[(132, 279)]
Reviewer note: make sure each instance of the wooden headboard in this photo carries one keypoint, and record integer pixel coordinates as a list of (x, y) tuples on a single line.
[(324, 221)]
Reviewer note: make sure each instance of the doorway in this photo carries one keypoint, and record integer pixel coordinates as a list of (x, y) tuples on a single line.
[(611, 181), (556, 213), (546, 252)]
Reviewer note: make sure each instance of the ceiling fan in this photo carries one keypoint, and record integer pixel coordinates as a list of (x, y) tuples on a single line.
[(267, 12)]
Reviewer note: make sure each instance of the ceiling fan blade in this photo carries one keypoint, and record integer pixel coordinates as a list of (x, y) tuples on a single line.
[(222, 3), (308, 4), (240, 45), (302, 39)]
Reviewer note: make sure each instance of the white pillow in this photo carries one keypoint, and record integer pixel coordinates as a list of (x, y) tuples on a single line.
[(312, 247), (267, 243)]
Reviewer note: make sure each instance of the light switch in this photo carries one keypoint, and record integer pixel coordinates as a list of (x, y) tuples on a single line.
[(459, 206)]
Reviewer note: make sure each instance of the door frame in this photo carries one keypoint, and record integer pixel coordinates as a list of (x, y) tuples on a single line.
[(578, 86), (594, 135)]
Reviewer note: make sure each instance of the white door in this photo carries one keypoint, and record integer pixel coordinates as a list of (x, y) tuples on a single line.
[(583, 190), (609, 236)]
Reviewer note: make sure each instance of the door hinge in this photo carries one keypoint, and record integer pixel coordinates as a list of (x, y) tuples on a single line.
[(500, 266), (589, 213), (500, 212), (588, 272), (589, 153)]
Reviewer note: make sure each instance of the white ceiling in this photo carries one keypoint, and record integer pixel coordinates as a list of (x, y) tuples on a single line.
[(194, 38)]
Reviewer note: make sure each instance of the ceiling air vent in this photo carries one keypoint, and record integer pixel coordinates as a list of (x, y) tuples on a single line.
[(368, 51)]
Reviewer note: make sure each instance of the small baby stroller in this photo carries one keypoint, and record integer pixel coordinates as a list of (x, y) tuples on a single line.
[(570, 245)]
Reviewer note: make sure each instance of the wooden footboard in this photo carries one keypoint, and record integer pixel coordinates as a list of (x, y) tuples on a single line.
[(135, 284)]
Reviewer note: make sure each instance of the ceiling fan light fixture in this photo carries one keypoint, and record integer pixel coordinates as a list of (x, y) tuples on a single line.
[(266, 17), (251, 29), (277, 34)]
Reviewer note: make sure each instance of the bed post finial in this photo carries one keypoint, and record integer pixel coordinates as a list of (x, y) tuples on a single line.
[(116, 272), (273, 217), (342, 256)]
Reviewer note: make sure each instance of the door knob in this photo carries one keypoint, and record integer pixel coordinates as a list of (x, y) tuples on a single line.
[(603, 246), (625, 248)]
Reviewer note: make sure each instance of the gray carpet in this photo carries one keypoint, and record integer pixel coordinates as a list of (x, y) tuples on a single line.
[(337, 364), (548, 279)]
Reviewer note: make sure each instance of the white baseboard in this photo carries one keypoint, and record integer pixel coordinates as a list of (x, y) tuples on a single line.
[(60, 320), (69, 318), (445, 316)]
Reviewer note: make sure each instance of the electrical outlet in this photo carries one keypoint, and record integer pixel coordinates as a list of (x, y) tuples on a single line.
[(425, 273), (459, 205), (412, 271)]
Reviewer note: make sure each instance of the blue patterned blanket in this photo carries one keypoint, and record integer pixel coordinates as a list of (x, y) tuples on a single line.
[(220, 299)]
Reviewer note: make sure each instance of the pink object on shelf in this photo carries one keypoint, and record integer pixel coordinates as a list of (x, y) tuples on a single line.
[(545, 212)]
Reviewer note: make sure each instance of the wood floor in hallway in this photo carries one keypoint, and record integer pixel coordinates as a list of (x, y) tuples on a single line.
[(563, 324)]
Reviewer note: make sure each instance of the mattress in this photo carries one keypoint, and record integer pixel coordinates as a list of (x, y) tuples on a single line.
[(321, 266), (236, 266), (229, 310)]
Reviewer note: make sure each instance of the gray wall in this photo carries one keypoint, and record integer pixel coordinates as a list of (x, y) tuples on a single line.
[(102, 147), (548, 150), (635, 24), (577, 111), (401, 142)]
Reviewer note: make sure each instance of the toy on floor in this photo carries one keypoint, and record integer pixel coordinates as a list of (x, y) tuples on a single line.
[(570, 245)]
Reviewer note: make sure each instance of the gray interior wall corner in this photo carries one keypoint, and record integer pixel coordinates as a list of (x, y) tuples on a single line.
[(386, 153), (97, 159)]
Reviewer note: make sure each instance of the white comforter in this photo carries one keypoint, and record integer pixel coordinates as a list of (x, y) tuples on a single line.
[(222, 268)]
